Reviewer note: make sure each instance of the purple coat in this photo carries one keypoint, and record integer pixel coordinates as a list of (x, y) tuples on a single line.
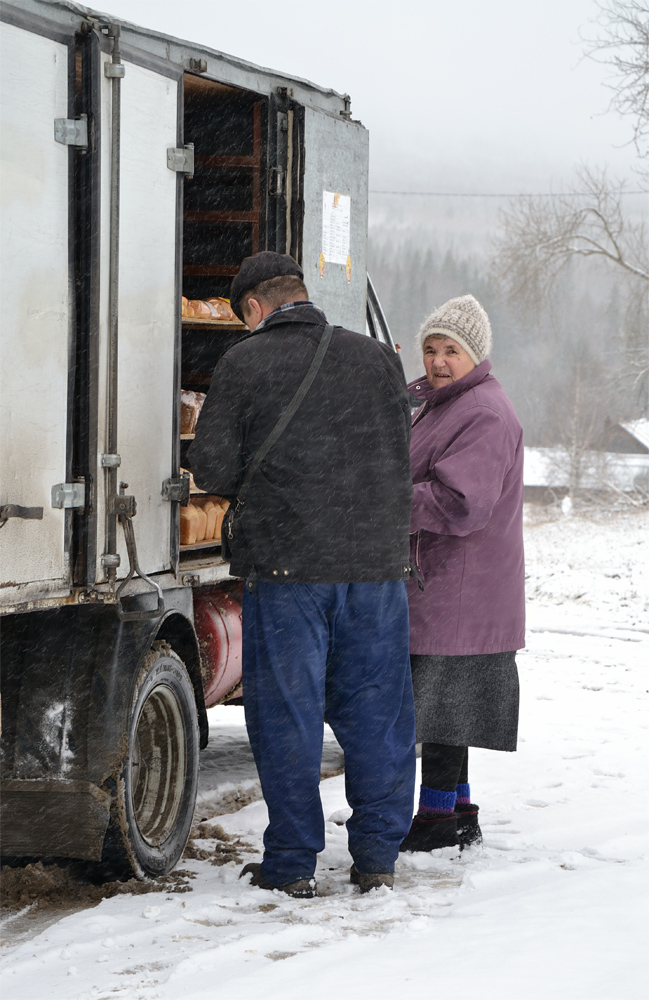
[(466, 529)]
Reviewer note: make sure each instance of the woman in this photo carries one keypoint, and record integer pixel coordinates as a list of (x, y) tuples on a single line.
[(467, 544)]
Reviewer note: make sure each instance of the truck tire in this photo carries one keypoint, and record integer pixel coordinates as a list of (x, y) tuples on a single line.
[(154, 793)]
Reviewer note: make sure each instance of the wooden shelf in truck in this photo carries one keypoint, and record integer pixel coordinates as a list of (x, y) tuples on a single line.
[(211, 543), (221, 324)]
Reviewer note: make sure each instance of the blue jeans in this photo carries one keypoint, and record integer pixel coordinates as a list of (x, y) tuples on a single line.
[(339, 650)]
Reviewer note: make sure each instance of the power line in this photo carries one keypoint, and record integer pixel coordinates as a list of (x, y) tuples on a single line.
[(490, 194)]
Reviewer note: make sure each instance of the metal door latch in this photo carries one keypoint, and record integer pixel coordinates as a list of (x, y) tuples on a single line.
[(176, 490), (69, 495), (122, 505), (15, 510), (72, 131), (181, 159)]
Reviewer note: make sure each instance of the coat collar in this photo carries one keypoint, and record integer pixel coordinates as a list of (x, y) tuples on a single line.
[(421, 389), (300, 313)]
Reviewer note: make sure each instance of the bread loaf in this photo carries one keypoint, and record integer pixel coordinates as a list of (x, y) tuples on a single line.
[(193, 488), (197, 309), (218, 521), (188, 525), (188, 411), (216, 308), (201, 526), (221, 310), (210, 509), (191, 404), (223, 506)]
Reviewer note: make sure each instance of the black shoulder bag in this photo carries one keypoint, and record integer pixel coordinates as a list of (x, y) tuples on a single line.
[(229, 525)]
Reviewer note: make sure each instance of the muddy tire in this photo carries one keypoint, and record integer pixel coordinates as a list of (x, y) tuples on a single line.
[(155, 792)]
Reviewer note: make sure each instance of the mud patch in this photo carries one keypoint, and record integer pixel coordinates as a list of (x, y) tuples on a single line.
[(331, 772), (65, 885), (61, 887), (216, 846), (223, 801)]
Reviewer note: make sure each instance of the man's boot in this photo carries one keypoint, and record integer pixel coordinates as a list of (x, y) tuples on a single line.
[(366, 881), (302, 888)]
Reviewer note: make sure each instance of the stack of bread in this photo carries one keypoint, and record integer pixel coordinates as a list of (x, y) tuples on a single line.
[(190, 408), (214, 308), (201, 521)]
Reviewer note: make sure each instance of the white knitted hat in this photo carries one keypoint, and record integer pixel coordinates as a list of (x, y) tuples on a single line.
[(464, 320)]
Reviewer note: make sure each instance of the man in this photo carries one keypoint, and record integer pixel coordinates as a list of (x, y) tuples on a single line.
[(322, 542)]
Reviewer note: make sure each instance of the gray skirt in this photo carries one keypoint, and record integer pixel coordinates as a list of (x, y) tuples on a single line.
[(467, 701)]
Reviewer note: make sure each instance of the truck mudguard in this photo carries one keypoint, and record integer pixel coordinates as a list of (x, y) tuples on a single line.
[(67, 682)]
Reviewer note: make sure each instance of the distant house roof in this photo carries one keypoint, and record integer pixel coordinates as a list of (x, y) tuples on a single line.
[(639, 429), (626, 437), (549, 467)]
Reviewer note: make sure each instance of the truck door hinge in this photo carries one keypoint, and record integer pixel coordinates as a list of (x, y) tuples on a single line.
[(181, 159), (176, 490), (69, 495), (72, 131), (276, 178)]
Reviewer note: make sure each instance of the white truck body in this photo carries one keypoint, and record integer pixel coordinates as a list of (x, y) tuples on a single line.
[(135, 168)]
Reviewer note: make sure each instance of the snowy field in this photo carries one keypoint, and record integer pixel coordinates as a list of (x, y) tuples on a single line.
[(553, 905)]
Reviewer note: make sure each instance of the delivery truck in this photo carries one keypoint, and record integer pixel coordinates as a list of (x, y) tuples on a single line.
[(138, 170)]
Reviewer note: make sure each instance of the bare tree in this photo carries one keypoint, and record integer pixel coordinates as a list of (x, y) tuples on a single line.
[(578, 431), (636, 328), (623, 44), (540, 236)]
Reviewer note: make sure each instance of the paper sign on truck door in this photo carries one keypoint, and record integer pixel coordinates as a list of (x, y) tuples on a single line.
[(336, 211)]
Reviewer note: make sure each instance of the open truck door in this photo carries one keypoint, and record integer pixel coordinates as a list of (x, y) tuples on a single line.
[(334, 237), (138, 332), (37, 491)]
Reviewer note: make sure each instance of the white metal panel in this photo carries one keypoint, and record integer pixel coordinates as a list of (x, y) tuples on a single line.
[(336, 156), (149, 104), (35, 310)]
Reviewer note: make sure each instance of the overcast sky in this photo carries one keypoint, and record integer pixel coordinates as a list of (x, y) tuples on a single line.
[(470, 95)]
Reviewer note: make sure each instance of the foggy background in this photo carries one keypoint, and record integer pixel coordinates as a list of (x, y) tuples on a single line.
[(468, 101)]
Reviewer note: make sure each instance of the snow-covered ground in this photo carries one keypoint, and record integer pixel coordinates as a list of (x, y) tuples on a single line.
[(553, 905)]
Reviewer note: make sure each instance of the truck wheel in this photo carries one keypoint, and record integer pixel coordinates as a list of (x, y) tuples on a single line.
[(155, 792)]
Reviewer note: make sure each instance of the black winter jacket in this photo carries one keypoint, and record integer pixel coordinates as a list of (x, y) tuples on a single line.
[(331, 500)]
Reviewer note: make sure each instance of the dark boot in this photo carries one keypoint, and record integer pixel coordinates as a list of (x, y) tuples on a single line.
[(468, 830), (302, 888), (431, 831), (367, 881)]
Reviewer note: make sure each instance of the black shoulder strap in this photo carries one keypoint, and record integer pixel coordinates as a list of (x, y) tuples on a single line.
[(288, 413)]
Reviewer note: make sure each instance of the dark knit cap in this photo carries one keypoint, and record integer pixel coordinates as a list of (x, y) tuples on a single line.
[(261, 267)]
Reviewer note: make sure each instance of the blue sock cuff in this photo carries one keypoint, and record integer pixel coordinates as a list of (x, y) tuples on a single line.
[(463, 793), (436, 801)]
